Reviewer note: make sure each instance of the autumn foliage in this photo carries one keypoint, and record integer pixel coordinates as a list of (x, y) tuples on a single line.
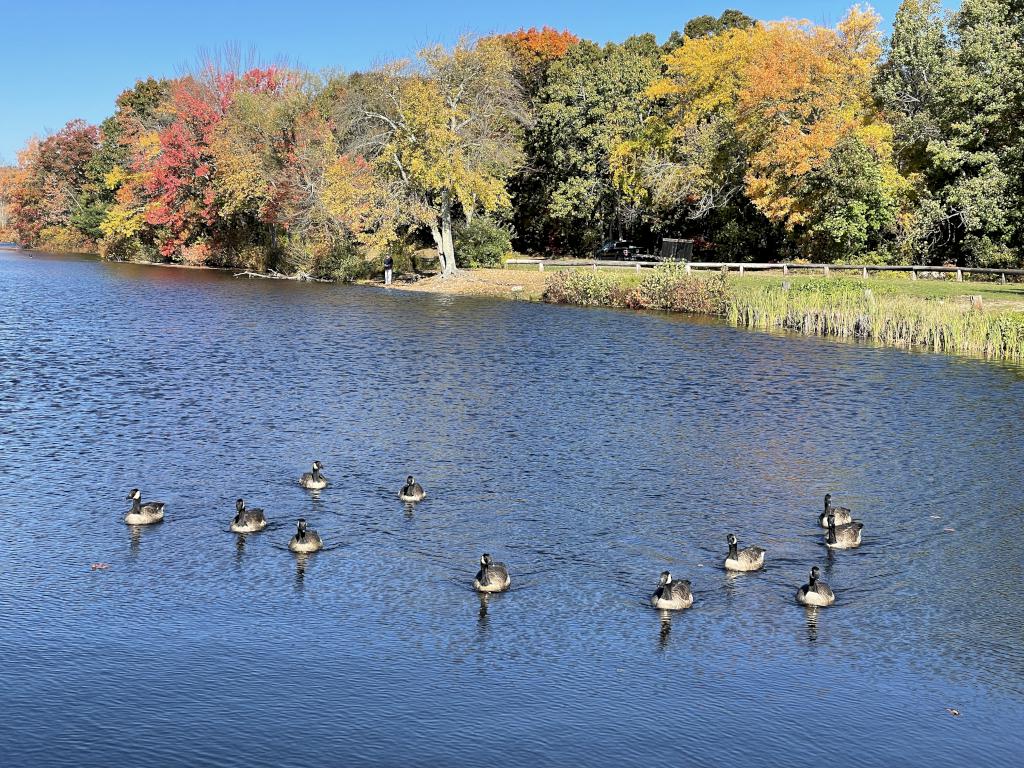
[(757, 139)]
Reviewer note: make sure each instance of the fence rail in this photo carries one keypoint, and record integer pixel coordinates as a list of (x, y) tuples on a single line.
[(784, 267)]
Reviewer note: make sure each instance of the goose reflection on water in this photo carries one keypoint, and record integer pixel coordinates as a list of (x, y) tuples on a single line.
[(665, 632), (811, 619), (482, 618), (301, 561), (134, 539), (239, 548)]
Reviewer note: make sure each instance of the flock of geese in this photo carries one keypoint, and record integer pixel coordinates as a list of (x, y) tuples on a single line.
[(842, 532)]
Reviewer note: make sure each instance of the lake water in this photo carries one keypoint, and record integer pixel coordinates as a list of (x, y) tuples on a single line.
[(588, 449)]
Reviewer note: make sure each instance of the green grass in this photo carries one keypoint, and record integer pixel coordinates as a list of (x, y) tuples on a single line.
[(895, 284), (891, 283), (895, 311)]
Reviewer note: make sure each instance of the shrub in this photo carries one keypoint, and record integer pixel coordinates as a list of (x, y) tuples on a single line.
[(196, 254), (482, 242), (345, 264), (577, 286), (667, 287), (64, 240), (115, 248), (670, 287)]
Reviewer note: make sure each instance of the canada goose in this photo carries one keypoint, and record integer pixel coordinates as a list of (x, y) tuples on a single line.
[(143, 514), (842, 514), (314, 481), (746, 559), (247, 520), (815, 592), (843, 536), (672, 595), (412, 491), (305, 539), (492, 576)]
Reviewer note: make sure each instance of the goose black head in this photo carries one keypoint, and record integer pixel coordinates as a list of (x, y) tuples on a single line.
[(134, 494), (300, 527), (828, 500), (239, 506), (665, 578), (410, 480), (485, 560), (317, 466), (731, 538), (814, 574)]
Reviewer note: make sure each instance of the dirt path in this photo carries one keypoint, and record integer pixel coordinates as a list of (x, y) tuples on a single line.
[(503, 283)]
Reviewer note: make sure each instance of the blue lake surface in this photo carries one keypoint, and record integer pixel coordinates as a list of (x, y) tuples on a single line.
[(588, 449)]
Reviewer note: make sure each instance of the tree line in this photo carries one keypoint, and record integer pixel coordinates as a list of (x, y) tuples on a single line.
[(758, 140)]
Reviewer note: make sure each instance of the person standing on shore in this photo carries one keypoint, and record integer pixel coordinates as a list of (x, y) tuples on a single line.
[(389, 264)]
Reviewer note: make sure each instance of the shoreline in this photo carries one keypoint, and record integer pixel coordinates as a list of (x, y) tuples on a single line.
[(895, 319), (510, 284)]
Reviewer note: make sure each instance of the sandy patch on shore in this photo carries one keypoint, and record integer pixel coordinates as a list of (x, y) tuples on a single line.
[(482, 282)]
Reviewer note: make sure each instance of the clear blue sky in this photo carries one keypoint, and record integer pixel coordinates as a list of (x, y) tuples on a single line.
[(63, 59)]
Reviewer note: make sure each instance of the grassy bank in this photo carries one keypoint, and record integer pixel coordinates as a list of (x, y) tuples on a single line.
[(897, 312)]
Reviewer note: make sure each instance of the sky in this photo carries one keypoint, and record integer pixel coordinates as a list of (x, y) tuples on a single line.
[(62, 59)]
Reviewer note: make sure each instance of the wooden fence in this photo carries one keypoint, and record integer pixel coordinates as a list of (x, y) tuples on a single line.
[(784, 267)]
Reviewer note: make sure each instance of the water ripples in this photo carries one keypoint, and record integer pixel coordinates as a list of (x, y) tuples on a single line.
[(587, 449)]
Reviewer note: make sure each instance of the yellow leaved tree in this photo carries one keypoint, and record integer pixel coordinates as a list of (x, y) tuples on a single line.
[(781, 113), (443, 134)]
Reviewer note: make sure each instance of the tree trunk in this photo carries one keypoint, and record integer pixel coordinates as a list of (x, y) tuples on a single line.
[(446, 245), (435, 232)]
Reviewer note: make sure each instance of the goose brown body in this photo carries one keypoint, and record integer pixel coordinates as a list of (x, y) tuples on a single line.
[(492, 576), (247, 520), (143, 514), (672, 595), (305, 539), (746, 559), (314, 480), (815, 593)]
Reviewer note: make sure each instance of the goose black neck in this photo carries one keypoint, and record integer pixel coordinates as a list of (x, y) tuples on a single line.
[(136, 505), (734, 549)]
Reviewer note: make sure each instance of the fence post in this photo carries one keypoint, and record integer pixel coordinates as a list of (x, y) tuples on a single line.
[(1002, 278), (826, 270), (959, 276), (864, 272), (687, 267), (540, 266), (638, 267), (593, 266), (913, 273), (741, 269), (785, 269)]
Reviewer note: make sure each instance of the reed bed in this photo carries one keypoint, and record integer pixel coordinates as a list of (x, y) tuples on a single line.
[(839, 307)]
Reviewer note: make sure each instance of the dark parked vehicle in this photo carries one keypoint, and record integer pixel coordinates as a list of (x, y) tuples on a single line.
[(617, 249)]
